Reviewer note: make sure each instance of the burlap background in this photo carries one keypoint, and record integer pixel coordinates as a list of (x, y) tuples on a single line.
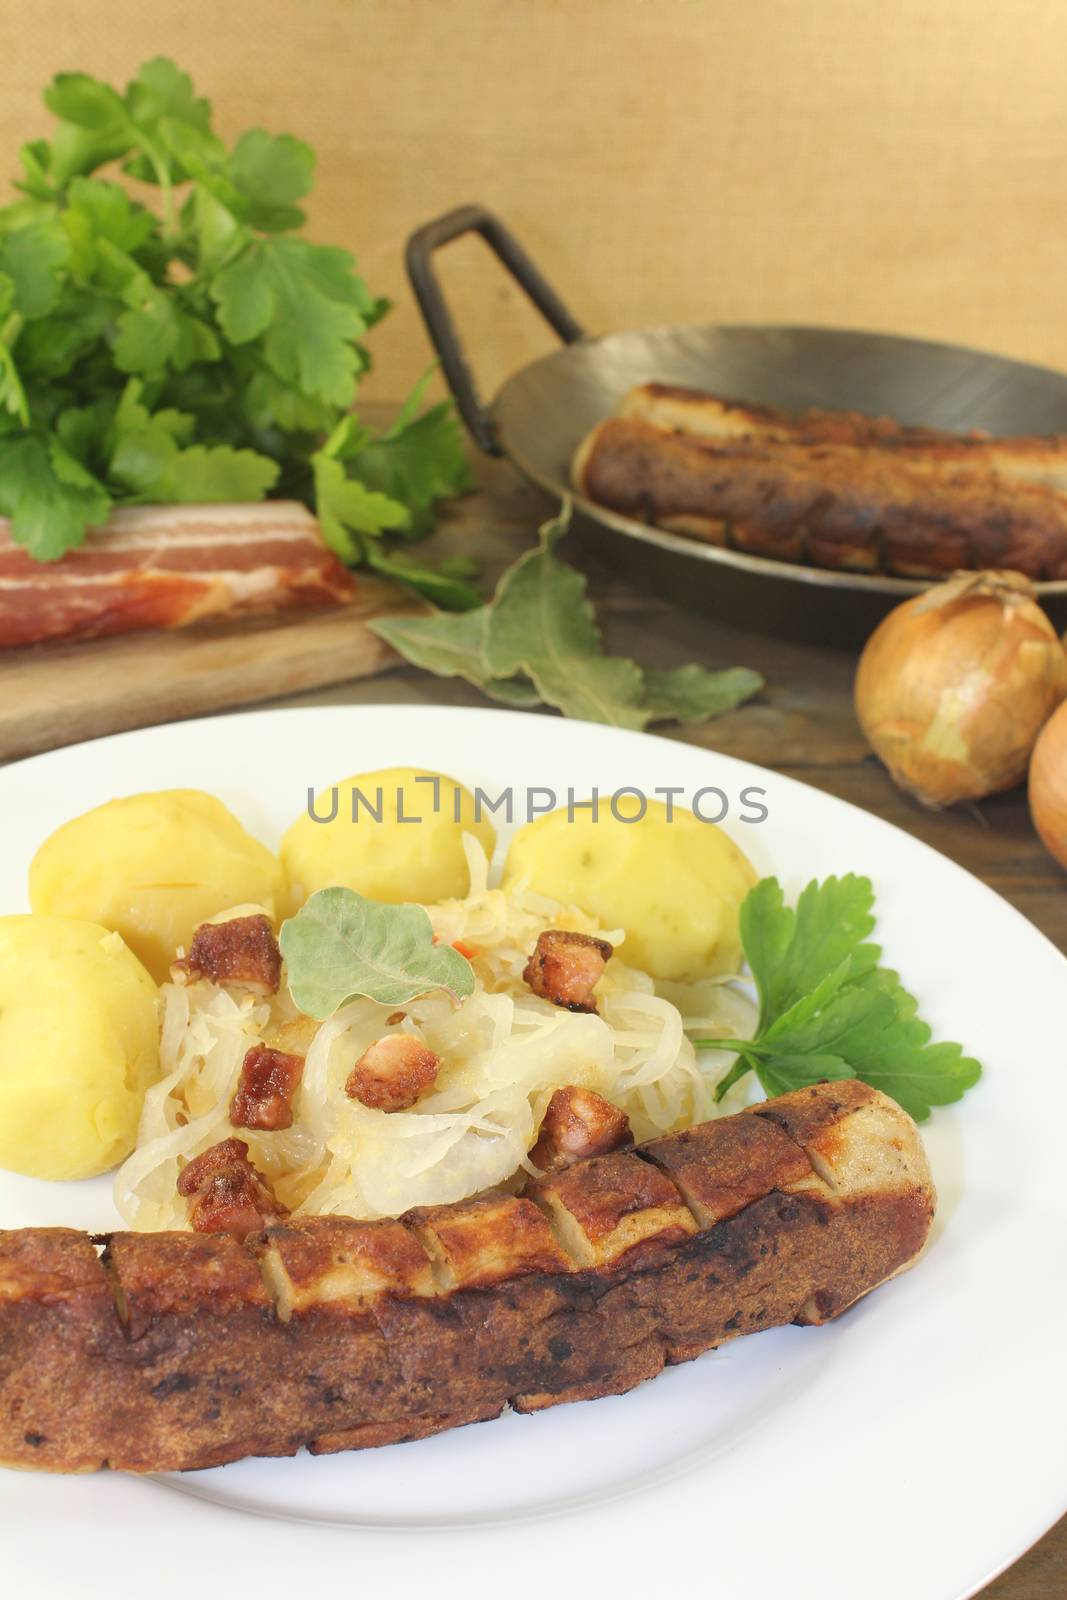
[(896, 164)]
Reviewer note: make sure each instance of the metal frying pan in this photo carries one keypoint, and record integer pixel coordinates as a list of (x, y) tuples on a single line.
[(543, 412)]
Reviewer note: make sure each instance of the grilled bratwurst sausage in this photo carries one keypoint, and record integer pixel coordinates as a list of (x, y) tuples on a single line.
[(914, 511), (1040, 459), (183, 1350)]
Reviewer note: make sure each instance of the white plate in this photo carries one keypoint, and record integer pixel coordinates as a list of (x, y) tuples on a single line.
[(913, 1448)]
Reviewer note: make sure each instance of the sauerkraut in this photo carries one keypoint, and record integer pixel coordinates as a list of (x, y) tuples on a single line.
[(504, 1050)]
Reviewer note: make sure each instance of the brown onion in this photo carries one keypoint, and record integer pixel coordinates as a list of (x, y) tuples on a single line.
[(1048, 785), (954, 686)]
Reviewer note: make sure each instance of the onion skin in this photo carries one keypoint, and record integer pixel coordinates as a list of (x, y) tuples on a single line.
[(954, 686), (1048, 785)]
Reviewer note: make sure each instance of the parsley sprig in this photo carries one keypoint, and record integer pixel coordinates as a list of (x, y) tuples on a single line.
[(827, 1009), (192, 348)]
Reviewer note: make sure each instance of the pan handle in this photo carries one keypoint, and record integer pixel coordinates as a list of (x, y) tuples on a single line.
[(438, 318)]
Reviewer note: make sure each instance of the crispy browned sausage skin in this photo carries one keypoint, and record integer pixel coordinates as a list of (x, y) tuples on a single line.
[(866, 508), (1041, 459), (182, 1350)]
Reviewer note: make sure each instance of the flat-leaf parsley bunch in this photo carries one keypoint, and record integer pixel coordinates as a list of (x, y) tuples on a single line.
[(829, 1009), (194, 348)]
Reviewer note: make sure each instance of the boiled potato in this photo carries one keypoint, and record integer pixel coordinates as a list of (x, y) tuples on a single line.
[(152, 867), (79, 1045), (675, 886), (391, 860)]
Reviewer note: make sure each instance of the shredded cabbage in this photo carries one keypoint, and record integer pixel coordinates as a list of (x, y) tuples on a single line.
[(504, 1050)]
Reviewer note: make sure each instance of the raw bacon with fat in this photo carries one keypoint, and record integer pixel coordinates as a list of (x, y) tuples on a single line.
[(168, 566)]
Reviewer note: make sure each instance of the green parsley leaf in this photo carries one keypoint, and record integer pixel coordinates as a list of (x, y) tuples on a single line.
[(49, 347), (161, 91), (271, 406), (340, 945), (218, 233), (12, 393), (158, 333), (148, 460), (33, 258), (271, 173), (347, 509), (305, 302), (828, 1010), (206, 473), (160, 102), (419, 460), (191, 152), (905, 1064), (98, 210), (94, 126), (86, 431), (792, 952), (146, 447), (36, 156), (118, 274), (49, 496), (87, 103)]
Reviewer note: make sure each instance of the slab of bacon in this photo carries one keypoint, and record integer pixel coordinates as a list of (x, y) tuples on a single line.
[(168, 566)]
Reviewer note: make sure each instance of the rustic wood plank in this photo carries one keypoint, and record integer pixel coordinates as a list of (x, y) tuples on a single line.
[(52, 695), (1041, 1574)]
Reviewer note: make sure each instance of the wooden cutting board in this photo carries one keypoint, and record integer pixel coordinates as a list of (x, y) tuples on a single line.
[(51, 695)]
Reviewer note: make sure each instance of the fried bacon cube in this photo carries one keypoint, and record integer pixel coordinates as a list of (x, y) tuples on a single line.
[(578, 1123), (393, 1073), (566, 967), (225, 1192), (265, 1089), (242, 952)]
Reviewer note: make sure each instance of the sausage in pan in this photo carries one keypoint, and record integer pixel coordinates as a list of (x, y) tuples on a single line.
[(831, 504)]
